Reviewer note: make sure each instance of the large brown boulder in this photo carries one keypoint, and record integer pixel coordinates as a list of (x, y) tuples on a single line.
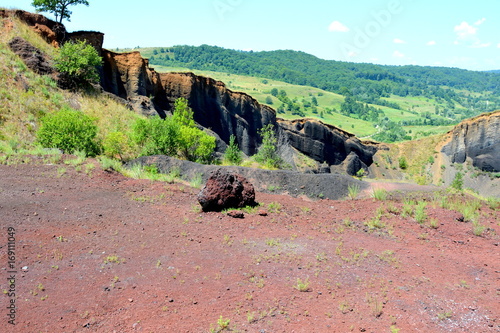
[(224, 190)]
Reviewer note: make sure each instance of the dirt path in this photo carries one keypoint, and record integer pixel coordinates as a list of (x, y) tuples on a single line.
[(110, 254)]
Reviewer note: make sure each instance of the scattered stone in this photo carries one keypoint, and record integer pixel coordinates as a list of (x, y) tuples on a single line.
[(236, 214), (262, 213), (225, 190), (460, 218)]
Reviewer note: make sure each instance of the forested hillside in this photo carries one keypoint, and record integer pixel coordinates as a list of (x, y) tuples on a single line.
[(365, 82), (398, 101)]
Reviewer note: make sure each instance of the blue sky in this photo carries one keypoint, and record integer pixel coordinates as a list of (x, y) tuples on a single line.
[(394, 32)]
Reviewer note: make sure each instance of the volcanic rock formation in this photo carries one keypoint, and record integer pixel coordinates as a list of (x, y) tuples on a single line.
[(476, 139)]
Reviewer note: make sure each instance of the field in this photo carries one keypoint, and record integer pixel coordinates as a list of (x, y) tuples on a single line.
[(100, 252), (260, 89)]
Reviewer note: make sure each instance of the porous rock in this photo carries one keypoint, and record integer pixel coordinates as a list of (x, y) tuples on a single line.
[(31, 56), (225, 190)]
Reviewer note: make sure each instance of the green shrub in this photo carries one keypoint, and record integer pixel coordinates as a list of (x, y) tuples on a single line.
[(268, 151), (69, 130), (403, 164), (77, 61), (117, 144), (232, 155), (174, 136), (379, 194), (195, 145), (458, 182), (157, 136)]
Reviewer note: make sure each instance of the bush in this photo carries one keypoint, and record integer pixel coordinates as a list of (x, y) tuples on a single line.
[(403, 164), (458, 182), (174, 136), (195, 145), (268, 151), (232, 155), (157, 136), (69, 130), (77, 62), (117, 144)]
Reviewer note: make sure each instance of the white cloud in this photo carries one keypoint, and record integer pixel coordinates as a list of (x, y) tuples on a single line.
[(498, 45), (398, 41), (352, 54), (336, 26), (465, 31), (479, 45), (431, 43), (479, 22), (398, 54)]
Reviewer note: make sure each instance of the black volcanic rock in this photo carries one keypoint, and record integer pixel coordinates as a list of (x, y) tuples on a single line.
[(477, 139)]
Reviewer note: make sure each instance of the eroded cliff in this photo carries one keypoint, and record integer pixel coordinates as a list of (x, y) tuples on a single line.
[(476, 139), (129, 77)]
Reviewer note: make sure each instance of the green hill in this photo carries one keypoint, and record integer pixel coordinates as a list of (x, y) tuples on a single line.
[(418, 100)]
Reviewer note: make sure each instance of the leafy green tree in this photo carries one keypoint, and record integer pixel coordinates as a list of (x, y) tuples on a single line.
[(174, 136), (183, 114), (269, 100), (57, 7), (268, 151), (77, 62), (458, 182), (274, 92), (157, 136), (70, 131), (233, 153), (195, 145)]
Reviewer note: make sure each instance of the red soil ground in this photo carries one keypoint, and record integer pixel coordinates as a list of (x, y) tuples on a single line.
[(104, 253)]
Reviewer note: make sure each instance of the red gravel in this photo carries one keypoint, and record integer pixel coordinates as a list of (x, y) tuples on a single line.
[(109, 254)]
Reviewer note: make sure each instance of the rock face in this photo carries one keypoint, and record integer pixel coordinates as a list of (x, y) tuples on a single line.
[(31, 56), (326, 143), (226, 190), (94, 38), (220, 109), (53, 32), (128, 76), (477, 139)]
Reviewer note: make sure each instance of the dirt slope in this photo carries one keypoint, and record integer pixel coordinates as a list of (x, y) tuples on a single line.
[(110, 254)]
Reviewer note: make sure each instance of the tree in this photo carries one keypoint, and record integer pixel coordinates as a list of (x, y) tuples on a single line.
[(232, 155), (58, 7), (268, 151), (269, 100), (183, 114), (78, 61)]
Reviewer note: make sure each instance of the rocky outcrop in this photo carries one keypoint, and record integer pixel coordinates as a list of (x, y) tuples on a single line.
[(326, 143), (128, 76), (94, 38), (476, 139), (31, 56), (54, 33), (216, 108), (220, 109), (225, 190)]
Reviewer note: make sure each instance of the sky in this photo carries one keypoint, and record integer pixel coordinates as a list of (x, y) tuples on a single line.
[(463, 34)]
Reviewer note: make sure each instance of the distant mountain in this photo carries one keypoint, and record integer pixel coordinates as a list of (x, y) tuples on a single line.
[(474, 92), (497, 71)]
